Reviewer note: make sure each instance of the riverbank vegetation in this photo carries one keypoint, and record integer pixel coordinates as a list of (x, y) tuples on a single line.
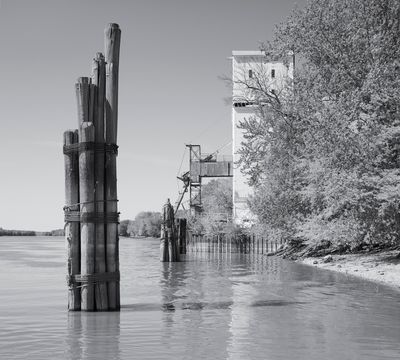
[(4, 232), (146, 224), (217, 208), (323, 153)]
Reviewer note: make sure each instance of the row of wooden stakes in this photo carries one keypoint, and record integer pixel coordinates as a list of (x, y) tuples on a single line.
[(91, 211), (250, 244)]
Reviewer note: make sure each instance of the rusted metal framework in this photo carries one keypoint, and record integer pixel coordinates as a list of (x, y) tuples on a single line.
[(202, 166)]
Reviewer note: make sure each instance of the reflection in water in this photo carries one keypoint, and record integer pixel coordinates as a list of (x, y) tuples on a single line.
[(209, 306), (170, 282), (93, 335)]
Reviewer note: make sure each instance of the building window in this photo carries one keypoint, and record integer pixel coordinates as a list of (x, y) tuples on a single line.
[(250, 73), (273, 73)]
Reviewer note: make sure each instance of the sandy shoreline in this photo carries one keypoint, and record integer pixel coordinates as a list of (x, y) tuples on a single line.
[(382, 267)]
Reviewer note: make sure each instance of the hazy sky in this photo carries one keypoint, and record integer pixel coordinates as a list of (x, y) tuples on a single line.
[(172, 53)]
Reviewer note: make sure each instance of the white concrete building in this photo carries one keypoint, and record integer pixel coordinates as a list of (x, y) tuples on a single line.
[(248, 67)]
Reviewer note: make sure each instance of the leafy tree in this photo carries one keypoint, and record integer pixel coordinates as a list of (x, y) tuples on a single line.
[(146, 223), (217, 207), (123, 228), (323, 154)]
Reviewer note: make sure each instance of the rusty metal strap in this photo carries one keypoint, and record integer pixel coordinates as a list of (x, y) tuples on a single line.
[(91, 217), (90, 145), (90, 279), (76, 205)]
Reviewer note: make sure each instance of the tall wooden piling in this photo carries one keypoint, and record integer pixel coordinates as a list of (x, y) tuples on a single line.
[(181, 234), (98, 94), (86, 194), (112, 46), (72, 230)]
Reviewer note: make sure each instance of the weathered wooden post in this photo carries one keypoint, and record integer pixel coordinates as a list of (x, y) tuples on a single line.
[(112, 45), (72, 230), (262, 245), (98, 95), (168, 244), (86, 195), (258, 244), (164, 254), (181, 234)]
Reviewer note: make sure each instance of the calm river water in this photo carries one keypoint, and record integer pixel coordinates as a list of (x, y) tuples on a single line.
[(207, 307)]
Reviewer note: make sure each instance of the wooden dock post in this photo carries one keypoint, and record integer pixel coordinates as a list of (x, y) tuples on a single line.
[(72, 229), (262, 245), (97, 92), (169, 250), (258, 244), (86, 194), (164, 254), (181, 233), (112, 36)]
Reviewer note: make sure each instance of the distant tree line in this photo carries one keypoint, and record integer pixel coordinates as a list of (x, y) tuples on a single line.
[(58, 232), (146, 224), (4, 232), (323, 154)]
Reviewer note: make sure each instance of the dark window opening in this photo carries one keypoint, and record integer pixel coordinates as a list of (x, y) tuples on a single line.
[(250, 73), (273, 73)]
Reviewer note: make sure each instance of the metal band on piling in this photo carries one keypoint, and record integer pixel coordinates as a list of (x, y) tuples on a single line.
[(91, 279), (90, 145), (92, 217)]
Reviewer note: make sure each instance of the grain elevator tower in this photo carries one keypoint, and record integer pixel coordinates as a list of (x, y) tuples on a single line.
[(249, 67)]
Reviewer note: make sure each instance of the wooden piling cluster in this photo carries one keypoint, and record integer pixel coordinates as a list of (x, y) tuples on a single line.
[(222, 243), (91, 211), (169, 246)]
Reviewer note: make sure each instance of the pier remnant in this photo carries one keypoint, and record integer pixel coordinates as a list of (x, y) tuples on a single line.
[(91, 211), (169, 250)]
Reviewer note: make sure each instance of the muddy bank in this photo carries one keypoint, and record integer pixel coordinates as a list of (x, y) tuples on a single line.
[(383, 267), (380, 265)]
